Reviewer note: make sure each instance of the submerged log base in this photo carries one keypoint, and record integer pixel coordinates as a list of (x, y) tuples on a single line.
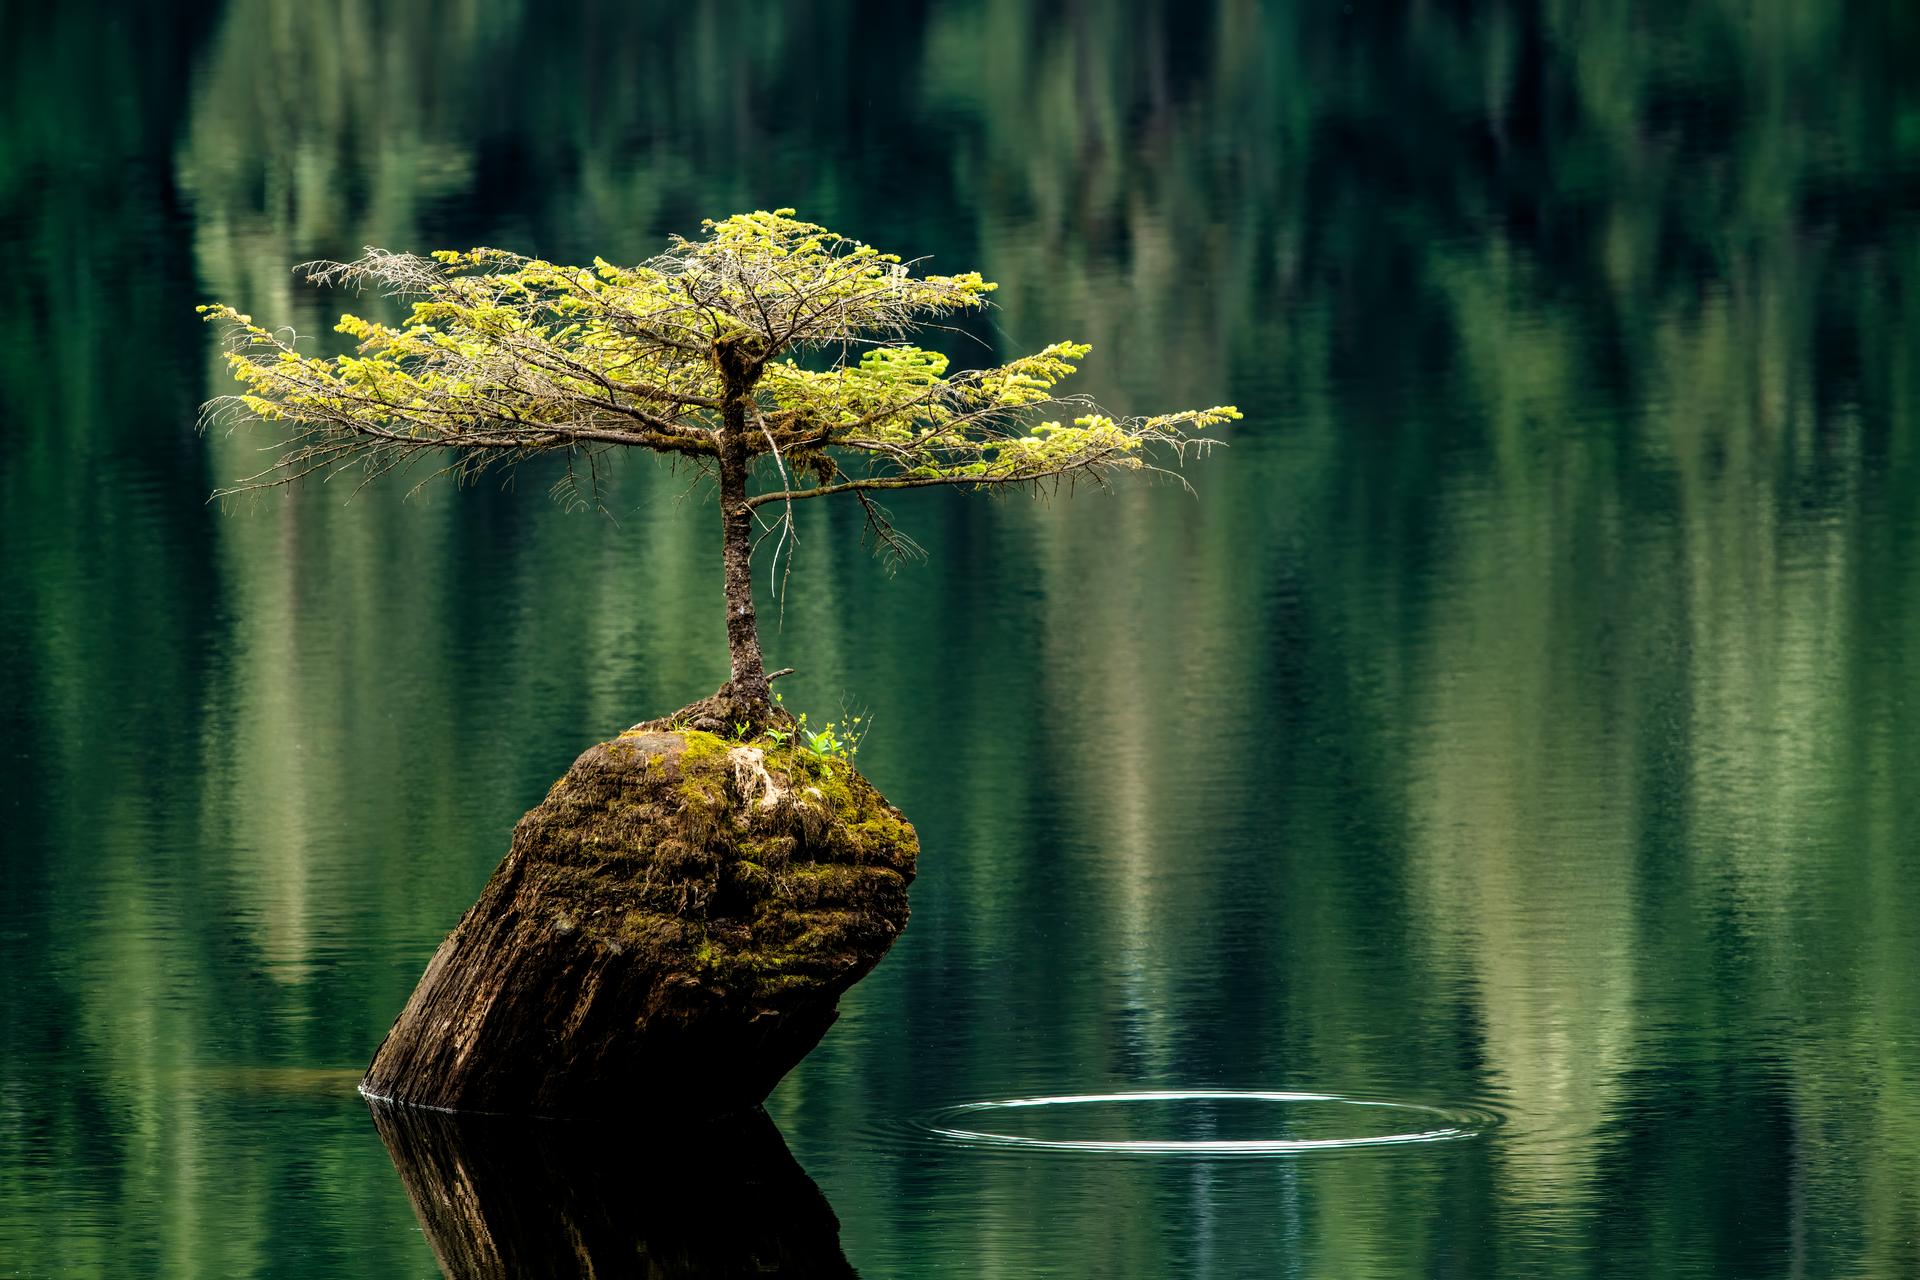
[(669, 934), (501, 1197)]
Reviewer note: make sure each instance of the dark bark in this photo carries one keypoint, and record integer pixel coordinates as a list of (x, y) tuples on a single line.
[(740, 362), (749, 680), (659, 941)]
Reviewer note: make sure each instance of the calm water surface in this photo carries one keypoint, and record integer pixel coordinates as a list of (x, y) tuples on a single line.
[(1518, 728)]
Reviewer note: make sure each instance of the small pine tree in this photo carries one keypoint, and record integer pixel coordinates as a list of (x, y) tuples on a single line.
[(772, 353)]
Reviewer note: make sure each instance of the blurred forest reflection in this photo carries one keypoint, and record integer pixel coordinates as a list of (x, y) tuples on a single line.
[(1517, 717)]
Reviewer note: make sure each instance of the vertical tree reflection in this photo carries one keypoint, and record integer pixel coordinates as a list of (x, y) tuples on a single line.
[(499, 1197), (1520, 713)]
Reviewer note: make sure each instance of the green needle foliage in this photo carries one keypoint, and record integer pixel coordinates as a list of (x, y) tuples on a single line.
[(771, 351)]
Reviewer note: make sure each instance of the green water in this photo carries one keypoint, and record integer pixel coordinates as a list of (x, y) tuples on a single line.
[(1519, 723)]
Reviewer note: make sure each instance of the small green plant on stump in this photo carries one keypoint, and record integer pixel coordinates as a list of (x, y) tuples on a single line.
[(773, 354), (673, 925)]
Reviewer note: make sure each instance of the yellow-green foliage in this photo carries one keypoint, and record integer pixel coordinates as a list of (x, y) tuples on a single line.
[(768, 329)]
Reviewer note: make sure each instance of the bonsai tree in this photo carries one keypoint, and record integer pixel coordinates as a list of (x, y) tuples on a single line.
[(675, 922), (773, 354)]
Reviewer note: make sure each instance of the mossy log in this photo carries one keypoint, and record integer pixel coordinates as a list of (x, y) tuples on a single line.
[(669, 933)]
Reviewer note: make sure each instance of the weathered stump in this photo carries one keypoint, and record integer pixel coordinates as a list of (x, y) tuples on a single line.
[(669, 933)]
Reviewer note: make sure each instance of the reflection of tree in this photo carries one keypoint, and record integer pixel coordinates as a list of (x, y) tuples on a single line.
[(1569, 530), (1563, 248), (314, 125), (104, 633), (504, 1197), (319, 128)]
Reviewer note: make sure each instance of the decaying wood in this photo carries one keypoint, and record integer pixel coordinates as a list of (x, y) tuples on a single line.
[(668, 934)]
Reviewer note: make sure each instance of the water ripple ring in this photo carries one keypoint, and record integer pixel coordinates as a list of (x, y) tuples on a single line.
[(1453, 1125)]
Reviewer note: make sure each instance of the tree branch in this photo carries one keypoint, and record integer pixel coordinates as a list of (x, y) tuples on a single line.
[(873, 483)]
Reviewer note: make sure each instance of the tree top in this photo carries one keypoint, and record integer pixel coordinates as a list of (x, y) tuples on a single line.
[(767, 336)]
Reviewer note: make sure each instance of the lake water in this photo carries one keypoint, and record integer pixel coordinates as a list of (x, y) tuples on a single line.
[(1511, 745)]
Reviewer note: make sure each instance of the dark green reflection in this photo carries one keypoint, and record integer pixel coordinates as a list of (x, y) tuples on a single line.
[(499, 1197), (1518, 719)]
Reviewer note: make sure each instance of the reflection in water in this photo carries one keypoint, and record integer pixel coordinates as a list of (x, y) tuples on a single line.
[(1522, 714), (502, 1198), (1288, 1123)]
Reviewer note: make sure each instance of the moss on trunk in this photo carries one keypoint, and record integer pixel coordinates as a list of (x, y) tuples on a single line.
[(670, 931)]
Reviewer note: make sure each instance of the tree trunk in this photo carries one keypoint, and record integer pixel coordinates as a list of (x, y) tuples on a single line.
[(666, 937), (749, 681)]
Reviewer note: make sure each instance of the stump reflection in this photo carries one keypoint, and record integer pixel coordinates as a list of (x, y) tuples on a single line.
[(501, 1196)]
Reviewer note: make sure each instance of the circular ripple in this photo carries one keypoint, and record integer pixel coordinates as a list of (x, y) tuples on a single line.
[(1373, 1122)]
